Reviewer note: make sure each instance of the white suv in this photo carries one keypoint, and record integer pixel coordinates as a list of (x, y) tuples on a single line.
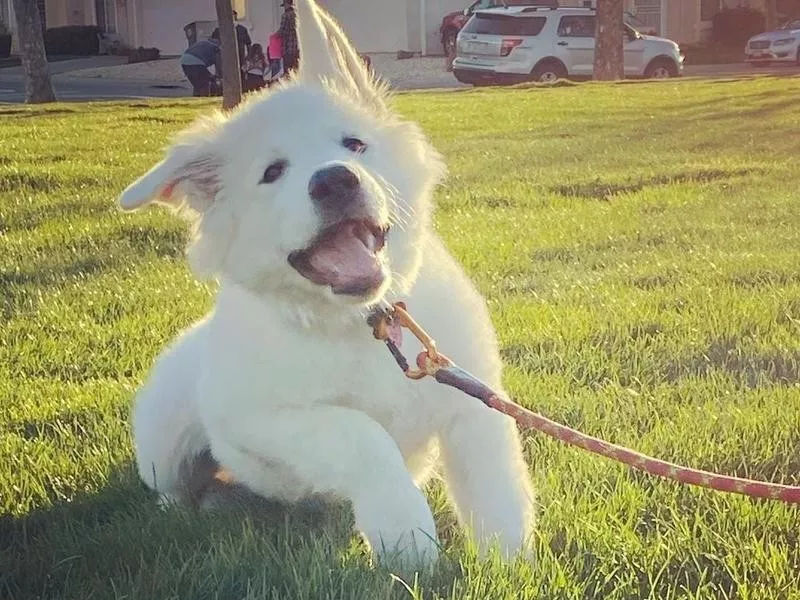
[(528, 43)]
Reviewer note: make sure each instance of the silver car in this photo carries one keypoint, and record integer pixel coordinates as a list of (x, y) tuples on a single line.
[(524, 43), (779, 46)]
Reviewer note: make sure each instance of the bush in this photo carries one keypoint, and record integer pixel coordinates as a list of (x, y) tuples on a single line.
[(79, 40), (734, 26), (711, 54), (143, 55)]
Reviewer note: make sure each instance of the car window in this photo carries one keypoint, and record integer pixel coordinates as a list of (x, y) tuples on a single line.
[(480, 4), (577, 26), (497, 24), (794, 24)]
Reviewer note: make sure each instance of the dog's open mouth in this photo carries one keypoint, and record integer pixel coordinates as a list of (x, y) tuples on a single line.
[(346, 256)]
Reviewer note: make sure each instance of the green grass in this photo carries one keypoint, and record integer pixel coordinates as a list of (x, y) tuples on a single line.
[(639, 248)]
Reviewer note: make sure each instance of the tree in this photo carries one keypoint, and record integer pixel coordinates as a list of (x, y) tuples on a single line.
[(38, 88), (771, 14), (609, 54), (231, 70)]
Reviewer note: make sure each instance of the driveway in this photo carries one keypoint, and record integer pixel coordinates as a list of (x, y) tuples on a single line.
[(12, 89), (71, 89)]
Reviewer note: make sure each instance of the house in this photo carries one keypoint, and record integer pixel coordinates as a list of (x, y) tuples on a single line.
[(685, 21), (374, 25)]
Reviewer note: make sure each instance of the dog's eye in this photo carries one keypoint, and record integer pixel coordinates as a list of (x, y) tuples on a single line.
[(274, 171), (354, 145)]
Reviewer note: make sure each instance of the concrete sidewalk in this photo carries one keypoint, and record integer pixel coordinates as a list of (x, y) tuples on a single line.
[(73, 65), (110, 77), (414, 73)]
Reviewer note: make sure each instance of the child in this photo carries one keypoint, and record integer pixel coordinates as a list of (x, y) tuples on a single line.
[(254, 67), (275, 54)]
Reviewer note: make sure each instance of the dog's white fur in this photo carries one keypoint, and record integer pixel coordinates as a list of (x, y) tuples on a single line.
[(283, 381)]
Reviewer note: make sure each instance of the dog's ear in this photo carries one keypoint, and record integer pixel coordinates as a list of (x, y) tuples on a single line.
[(186, 179), (326, 54)]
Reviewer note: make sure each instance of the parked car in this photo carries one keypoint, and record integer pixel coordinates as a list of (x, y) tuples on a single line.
[(779, 46), (454, 21), (524, 43)]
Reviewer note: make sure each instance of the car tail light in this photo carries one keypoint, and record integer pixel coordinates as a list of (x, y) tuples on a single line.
[(508, 45)]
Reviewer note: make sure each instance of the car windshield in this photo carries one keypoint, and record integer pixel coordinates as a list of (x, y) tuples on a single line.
[(793, 24), (499, 24)]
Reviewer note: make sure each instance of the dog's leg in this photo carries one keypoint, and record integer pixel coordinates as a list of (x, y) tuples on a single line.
[(295, 453), (487, 478)]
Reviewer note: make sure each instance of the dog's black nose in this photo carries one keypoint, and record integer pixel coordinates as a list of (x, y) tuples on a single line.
[(338, 184)]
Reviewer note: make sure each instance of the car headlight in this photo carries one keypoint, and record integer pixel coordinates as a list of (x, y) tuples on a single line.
[(783, 42)]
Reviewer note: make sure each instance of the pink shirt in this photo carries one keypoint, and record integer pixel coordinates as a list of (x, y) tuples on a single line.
[(275, 47)]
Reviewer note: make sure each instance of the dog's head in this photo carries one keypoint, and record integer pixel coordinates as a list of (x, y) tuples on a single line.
[(315, 191)]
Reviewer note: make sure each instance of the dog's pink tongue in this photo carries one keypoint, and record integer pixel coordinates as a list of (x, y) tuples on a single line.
[(344, 261)]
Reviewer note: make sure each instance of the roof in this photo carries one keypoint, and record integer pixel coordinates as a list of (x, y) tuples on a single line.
[(533, 10)]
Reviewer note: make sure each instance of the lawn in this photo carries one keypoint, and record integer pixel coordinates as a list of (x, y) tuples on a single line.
[(639, 248)]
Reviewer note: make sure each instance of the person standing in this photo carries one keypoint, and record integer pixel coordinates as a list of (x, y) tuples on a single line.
[(288, 33), (243, 41)]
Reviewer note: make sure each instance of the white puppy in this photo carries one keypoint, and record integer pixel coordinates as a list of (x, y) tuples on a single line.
[(310, 204)]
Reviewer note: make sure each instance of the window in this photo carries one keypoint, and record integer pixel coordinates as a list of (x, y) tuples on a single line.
[(240, 7), (708, 8), (577, 26), (498, 24), (481, 4)]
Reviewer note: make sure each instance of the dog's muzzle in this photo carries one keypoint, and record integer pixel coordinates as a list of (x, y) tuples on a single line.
[(348, 254)]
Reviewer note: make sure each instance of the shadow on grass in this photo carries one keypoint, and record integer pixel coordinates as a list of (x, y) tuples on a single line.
[(760, 111), (606, 190), (28, 112), (118, 543)]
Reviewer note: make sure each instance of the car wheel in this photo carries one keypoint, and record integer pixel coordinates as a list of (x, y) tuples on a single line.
[(661, 68), (548, 71)]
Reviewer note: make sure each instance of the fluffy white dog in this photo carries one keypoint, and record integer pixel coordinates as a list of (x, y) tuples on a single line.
[(310, 204)]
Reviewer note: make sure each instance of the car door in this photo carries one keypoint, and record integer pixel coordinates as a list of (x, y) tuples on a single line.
[(575, 42), (634, 47)]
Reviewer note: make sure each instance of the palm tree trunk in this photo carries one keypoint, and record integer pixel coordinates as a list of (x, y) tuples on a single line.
[(231, 70), (38, 88), (771, 14)]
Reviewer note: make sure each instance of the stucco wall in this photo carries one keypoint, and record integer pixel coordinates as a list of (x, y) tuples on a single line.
[(374, 26), (435, 10), (161, 25)]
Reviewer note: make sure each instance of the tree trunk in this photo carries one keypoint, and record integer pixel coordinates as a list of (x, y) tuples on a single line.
[(38, 88), (771, 14), (231, 70), (609, 56)]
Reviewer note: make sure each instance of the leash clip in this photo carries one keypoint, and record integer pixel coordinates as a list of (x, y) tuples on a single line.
[(396, 317)]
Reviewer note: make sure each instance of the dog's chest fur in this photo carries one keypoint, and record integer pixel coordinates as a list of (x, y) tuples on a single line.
[(257, 363)]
